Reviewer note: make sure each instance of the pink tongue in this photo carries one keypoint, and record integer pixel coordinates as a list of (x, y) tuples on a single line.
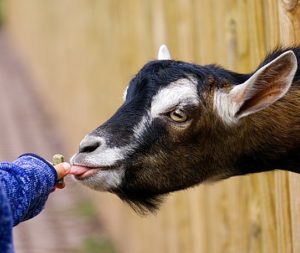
[(78, 170)]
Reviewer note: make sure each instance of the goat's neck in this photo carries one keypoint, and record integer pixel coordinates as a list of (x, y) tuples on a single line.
[(271, 138)]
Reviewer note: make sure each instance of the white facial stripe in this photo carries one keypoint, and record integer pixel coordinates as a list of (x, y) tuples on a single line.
[(105, 156), (109, 156), (141, 127), (174, 94)]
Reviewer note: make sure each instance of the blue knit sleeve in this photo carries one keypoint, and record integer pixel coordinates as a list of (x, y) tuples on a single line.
[(27, 183), (6, 223)]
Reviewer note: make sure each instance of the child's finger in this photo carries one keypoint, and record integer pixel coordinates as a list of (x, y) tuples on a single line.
[(62, 170), (60, 185)]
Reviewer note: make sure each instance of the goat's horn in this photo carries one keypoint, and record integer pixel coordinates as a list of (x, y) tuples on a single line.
[(163, 53)]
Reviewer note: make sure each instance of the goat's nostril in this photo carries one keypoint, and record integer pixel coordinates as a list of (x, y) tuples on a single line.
[(88, 146)]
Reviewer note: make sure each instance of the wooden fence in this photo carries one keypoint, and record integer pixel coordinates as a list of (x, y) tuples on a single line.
[(87, 50)]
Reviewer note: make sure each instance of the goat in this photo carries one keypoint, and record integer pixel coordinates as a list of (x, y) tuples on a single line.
[(182, 124)]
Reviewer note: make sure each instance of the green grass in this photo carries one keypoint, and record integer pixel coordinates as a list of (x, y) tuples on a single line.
[(86, 209), (92, 244)]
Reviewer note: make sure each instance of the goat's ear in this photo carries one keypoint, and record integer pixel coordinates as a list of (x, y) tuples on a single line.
[(163, 53), (265, 86)]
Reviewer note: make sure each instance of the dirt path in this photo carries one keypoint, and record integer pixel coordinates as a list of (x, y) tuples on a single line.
[(68, 224)]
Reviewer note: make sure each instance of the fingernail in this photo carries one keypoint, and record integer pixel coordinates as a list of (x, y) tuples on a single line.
[(66, 166)]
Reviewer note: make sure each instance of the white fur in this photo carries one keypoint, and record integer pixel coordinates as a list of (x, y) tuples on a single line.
[(141, 127), (183, 91), (103, 155), (105, 180), (163, 53), (225, 107)]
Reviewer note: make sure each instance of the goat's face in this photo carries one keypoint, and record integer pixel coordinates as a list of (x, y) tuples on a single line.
[(165, 137)]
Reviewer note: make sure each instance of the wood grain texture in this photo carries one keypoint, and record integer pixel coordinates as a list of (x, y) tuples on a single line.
[(90, 50)]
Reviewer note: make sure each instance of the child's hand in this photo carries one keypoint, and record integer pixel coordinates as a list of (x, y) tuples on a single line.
[(62, 170)]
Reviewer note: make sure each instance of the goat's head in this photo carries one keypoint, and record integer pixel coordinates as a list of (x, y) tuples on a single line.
[(177, 127)]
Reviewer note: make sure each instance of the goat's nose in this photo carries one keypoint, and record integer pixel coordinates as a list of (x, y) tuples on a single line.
[(89, 144)]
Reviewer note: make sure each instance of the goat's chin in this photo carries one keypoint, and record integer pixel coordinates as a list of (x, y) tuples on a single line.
[(91, 183), (141, 203), (101, 180), (145, 206)]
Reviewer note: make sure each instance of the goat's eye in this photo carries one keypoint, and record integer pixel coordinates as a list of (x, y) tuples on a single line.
[(178, 116)]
